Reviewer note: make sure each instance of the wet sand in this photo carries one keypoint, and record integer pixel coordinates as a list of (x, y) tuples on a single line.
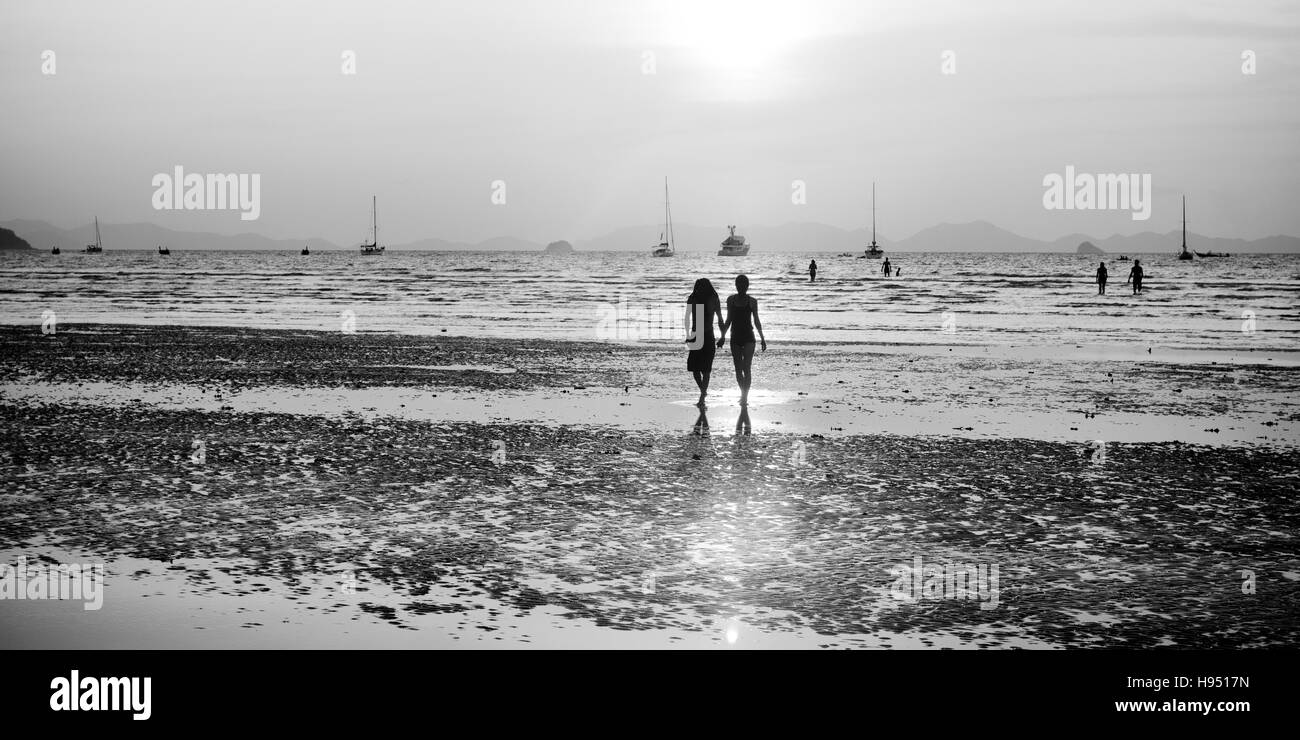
[(352, 494)]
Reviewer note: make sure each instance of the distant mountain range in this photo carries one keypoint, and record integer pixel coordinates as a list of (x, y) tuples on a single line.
[(977, 236)]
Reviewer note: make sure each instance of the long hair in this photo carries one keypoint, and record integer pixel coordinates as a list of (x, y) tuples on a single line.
[(704, 293)]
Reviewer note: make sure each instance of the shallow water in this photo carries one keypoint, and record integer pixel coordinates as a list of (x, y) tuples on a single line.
[(993, 299)]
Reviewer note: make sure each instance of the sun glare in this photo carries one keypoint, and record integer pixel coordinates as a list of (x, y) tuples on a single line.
[(738, 40)]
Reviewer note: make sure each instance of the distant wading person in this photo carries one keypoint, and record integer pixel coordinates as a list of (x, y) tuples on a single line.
[(1135, 276), (700, 361), (741, 307), (885, 268), (812, 271), (1101, 279)]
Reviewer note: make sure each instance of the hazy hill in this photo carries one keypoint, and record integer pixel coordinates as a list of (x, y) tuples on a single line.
[(976, 236), (10, 240)]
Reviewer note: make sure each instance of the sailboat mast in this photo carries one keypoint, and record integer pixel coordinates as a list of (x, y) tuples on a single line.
[(873, 212), (1184, 222), (668, 218), (98, 243), (374, 215)]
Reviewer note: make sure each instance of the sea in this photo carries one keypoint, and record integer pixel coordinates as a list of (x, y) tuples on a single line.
[(1241, 302)]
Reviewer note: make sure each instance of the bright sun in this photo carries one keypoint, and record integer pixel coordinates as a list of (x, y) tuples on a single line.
[(737, 38)]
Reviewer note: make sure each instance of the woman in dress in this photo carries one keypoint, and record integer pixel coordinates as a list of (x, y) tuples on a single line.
[(741, 307), (702, 305)]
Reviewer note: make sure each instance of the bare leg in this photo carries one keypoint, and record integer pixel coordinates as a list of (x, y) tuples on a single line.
[(736, 359), (743, 357)]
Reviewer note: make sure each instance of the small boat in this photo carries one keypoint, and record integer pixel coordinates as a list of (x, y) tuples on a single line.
[(665, 247), (1184, 255), (373, 247), (1122, 258), (847, 254), (733, 246), (1210, 254), (55, 250), (873, 252), (98, 246), (305, 250), (163, 250)]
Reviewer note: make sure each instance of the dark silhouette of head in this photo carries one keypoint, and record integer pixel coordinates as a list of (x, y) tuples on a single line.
[(742, 284), (703, 292)]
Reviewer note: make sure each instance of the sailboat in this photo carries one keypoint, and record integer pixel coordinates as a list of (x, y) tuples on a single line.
[(733, 246), (305, 250), (163, 250), (1184, 255), (373, 247), (55, 250), (98, 246), (665, 248), (874, 251)]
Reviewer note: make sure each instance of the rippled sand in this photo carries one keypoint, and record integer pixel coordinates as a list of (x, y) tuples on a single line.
[(326, 526)]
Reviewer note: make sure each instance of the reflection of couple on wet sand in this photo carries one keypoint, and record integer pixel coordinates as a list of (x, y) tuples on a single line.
[(743, 425), (742, 309)]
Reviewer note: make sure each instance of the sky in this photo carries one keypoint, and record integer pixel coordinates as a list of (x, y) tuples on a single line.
[(582, 109)]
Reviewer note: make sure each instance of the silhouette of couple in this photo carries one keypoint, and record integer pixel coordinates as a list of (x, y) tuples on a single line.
[(1135, 276), (742, 320)]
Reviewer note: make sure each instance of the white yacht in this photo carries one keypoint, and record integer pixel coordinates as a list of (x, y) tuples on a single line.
[(733, 246)]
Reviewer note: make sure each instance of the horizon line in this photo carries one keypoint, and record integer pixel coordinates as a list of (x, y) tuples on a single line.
[(469, 245)]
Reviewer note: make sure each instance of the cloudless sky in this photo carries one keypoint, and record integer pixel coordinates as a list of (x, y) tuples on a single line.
[(553, 98)]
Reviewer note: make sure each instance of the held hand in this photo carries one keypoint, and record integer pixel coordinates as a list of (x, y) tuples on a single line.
[(721, 342)]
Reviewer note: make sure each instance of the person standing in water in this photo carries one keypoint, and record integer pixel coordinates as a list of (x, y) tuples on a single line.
[(702, 305), (741, 307), (1135, 276), (885, 268), (812, 271), (1101, 279)]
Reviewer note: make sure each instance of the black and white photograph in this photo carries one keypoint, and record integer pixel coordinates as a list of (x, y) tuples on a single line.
[(704, 326)]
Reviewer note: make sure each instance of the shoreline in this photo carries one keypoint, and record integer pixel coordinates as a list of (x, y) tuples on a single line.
[(1131, 350), (979, 392)]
